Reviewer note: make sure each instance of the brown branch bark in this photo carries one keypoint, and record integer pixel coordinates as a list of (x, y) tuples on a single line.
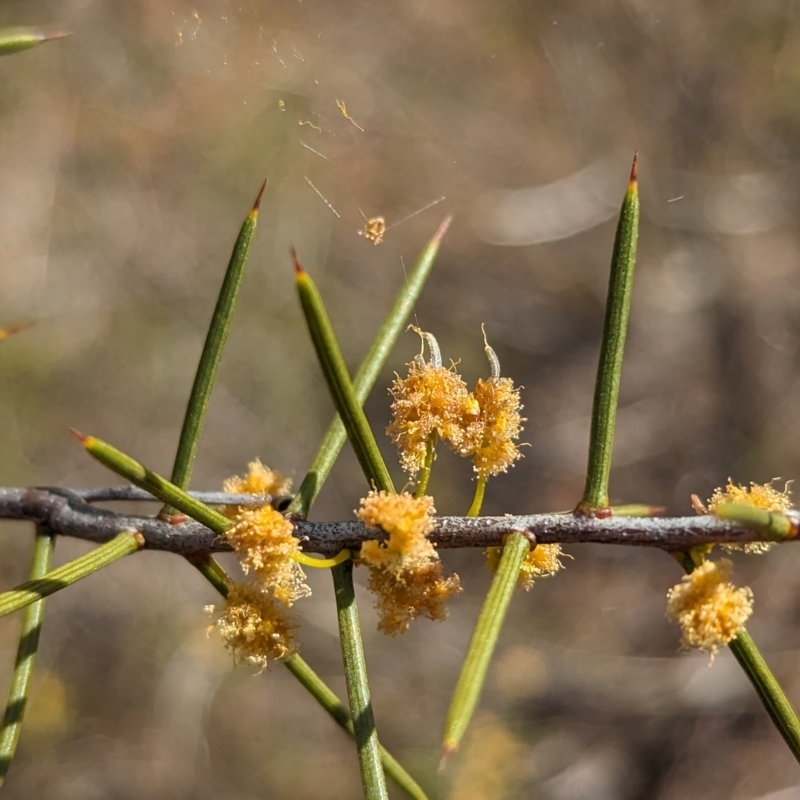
[(65, 512)]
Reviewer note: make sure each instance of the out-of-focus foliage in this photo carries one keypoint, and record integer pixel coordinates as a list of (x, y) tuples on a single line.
[(128, 154)]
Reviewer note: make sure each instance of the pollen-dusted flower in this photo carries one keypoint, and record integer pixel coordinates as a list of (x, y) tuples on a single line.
[(759, 495), (708, 607), (431, 400), (405, 570), (418, 592), (541, 562), (255, 628), (494, 449), (259, 480), (407, 521), (263, 541)]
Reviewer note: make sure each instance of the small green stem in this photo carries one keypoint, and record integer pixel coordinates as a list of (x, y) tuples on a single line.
[(609, 368), (32, 619), (427, 466), (127, 467), (769, 691), (31, 591), (355, 674), (331, 703), (477, 500), (751, 661), (483, 642)]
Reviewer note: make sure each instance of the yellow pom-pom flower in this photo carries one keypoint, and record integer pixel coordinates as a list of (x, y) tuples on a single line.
[(708, 607), (758, 495), (541, 562), (263, 540), (405, 570), (255, 628), (259, 480), (494, 449)]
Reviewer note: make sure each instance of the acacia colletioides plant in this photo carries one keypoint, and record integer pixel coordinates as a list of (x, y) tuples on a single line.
[(396, 535)]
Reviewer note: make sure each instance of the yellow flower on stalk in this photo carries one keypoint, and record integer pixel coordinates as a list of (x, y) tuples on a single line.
[(708, 607), (541, 562), (758, 495), (494, 450), (405, 570), (432, 401), (255, 628), (263, 540)]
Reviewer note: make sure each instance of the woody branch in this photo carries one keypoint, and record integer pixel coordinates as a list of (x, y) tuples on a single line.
[(68, 513)]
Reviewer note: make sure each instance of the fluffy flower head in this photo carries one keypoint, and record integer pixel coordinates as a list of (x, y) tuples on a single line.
[(407, 521), (709, 609), (259, 480), (262, 540), (541, 562), (418, 592), (758, 495), (405, 570), (430, 400), (255, 628), (494, 448)]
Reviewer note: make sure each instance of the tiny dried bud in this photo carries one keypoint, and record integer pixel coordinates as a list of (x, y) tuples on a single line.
[(541, 562), (263, 541), (759, 495), (405, 570), (255, 628), (709, 609)]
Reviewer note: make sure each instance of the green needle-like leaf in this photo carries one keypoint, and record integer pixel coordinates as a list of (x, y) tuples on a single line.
[(32, 619), (159, 487), (768, 689), (29, 592), (483, 642), (212, 353), (609, 368), (773, 525), (368, 372), (331, 703), (355, 673), (13, 40), (339, 384)]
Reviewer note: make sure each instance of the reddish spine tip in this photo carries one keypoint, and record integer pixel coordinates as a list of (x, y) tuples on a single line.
[(439, 235), (257, 203), (79, 436), (298, 267), (51, 35), (635, 168)]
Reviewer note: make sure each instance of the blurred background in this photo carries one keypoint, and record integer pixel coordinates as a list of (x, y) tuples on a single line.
[(130, 154)]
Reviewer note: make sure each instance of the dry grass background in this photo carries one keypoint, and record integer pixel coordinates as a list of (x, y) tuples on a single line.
[(129, 155)]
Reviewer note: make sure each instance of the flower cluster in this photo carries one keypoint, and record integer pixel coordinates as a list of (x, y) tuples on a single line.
[(255, 623), (405, 570), (708, 607), (433, 403)]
